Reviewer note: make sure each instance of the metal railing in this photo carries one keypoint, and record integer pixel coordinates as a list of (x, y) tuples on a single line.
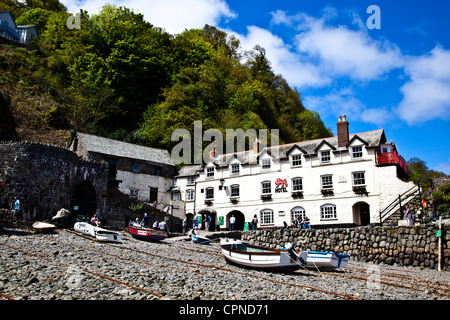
[(404, 197)]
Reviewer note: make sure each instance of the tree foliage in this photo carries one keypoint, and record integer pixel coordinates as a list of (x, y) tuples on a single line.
[(120, 76)]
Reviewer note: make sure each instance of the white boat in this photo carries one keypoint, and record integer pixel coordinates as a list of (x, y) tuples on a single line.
[(99, 233), (326, 260), (43, 227), (250, 256), (199, 239)]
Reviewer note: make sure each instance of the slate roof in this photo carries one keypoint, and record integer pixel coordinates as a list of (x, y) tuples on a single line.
[(370, 139), (124, 149)]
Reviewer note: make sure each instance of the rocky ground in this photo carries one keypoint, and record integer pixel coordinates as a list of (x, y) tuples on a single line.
[(66, 266)]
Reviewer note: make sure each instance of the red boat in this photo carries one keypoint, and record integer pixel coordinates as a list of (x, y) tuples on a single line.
[(147, 234)]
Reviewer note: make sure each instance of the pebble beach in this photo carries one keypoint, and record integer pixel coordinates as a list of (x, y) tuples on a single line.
[(66, 266)]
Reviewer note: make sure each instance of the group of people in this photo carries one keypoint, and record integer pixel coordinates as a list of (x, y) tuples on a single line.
[(162, 225), (409, 215), (301, 223)]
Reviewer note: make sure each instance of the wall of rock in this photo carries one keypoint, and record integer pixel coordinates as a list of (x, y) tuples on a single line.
[(408, 246), (44, 178)]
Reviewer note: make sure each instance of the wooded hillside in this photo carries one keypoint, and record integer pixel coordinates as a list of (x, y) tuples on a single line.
[(121, 77)]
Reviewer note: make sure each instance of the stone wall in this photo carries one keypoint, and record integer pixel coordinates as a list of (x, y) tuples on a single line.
[(44, 178), (409, 246)]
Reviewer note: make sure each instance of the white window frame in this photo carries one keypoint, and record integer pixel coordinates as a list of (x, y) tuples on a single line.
[(325, 156), (209, 193), (357, 152), (176, 196), (264, 187), (359, 178), (190, 195), (297, 184), (233, 188), (298, 213), (328, 212), (235, 169), (265, 164), (296, 160), (326, 182), (266, 217), (209, 172), (190, 181)]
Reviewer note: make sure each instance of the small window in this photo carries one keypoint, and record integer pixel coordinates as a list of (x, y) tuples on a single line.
[(357, 152), (359, 179), (191, 180), (267, 217), (265, 164), (189, 195), (175, 196), (235, 168), (328, 212), (326, 182), (136, 167), (234, 193), (210, 172), (297, 184), (296, 160), (209, 194), (325, 157), (134, 193), (266, 187)]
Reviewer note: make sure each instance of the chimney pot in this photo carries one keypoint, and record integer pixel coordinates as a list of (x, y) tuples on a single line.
[(256, 146)]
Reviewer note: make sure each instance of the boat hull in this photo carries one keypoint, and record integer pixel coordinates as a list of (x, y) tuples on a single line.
[(99, 233), (43, 227), (326, 260), (253, 257), (146, 234), (199, 239)]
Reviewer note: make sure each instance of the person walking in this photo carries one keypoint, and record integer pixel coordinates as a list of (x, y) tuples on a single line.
[(232, 222)]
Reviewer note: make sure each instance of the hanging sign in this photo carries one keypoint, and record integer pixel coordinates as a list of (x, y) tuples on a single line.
[(281, 185)]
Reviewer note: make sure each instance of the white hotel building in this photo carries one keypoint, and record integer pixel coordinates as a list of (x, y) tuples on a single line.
[(344, 180)]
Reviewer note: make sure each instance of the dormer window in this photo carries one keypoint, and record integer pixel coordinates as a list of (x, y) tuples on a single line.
[(210, 172), (234, 169), (296, 160), (325, 156), (357, 152), (265, 164)]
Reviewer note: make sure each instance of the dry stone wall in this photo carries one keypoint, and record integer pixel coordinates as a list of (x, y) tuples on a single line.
[(44, 178), (408, 246)]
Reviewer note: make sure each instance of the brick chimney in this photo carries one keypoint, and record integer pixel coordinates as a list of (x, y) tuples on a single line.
[(256, 146), (212, 153), (342, 131)]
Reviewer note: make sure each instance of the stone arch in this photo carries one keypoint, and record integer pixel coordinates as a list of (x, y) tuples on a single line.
[(361, 213), (240, 220), (84, 200)]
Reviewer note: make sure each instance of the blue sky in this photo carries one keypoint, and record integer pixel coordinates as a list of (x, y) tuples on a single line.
[(396, 77)]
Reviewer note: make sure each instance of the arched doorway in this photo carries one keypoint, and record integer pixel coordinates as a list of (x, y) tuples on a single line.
[(84, 200), (361, 213), (240, 220), (208, 212)]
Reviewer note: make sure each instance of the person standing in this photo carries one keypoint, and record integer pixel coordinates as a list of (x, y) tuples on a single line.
[(16, 208), (254, 223), (408, 215), (232, 222)]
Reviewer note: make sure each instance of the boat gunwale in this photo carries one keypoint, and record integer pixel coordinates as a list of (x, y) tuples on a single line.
[(267, 252)]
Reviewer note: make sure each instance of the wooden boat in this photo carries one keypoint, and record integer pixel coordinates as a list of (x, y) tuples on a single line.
[(147, 234), (43, 227), (250, 256), (99, 233), (199, 239), (326, 260)]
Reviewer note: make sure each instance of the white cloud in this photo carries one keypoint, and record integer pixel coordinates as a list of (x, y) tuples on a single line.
[(173, 15), (427, 95), (283, 59), (345, 52)]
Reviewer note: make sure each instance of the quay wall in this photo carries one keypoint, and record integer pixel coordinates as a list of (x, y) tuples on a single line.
[(407, 246)]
